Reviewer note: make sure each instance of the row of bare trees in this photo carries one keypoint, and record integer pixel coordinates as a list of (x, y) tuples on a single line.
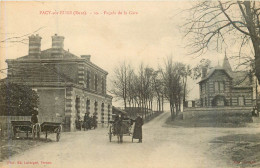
[(142, 86)]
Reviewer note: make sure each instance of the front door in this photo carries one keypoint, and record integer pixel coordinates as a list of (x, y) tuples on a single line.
[(220, 101)]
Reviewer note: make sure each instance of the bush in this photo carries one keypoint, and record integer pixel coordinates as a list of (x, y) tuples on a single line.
[(17, 100)]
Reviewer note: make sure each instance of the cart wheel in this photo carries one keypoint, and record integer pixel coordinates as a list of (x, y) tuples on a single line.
[(110, 134), (58, 136)]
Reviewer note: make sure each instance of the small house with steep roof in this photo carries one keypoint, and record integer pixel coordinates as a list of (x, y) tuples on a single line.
[(221, 86)]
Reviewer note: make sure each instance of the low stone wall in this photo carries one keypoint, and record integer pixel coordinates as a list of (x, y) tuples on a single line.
[(219, 114)]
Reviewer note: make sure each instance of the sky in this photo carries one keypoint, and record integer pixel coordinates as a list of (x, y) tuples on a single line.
[(145, 32)]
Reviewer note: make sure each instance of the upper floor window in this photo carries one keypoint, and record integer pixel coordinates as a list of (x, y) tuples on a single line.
[(219, 86), (103, 85), (96, 82), (88, 79), (203, 88)]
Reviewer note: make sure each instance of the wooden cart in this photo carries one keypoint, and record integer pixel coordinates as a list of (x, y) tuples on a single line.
[(25, 127), (126, 129), (51, 127)]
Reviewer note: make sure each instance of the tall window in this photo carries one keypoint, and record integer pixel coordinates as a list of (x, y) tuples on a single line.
[(216, 87), (77, 107), (96, 108), (96, 82), (108, 113), (103, 85), (102, 113), (88, 79), (88, 106), (219, 86)]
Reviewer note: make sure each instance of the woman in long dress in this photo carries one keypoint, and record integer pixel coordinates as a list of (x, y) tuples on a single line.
[(138, 128)]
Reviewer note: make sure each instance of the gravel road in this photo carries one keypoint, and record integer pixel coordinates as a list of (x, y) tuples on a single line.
[(162, 147)]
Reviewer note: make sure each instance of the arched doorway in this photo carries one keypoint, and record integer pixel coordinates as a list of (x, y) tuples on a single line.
[(102, 113), (219, 101)]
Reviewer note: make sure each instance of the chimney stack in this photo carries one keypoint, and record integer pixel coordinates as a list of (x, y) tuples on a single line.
[(204, 71), (34, 46), (57, 45), (86, 57)]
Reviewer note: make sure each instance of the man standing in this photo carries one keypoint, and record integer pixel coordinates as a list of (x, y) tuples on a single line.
[(35, 124), (138, 128), (34, 118)]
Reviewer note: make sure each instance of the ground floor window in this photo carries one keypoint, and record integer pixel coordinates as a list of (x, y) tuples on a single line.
[(88, 106), (108, 113)]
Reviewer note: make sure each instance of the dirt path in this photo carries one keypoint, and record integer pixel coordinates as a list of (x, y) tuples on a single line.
[(162, 147)]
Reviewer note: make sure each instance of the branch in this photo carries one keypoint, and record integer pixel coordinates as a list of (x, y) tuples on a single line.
[(222, 9)]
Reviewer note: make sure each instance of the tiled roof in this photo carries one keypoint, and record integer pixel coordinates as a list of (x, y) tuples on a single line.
[(212, 70), (46, 54), (241, 79), (37, 73)]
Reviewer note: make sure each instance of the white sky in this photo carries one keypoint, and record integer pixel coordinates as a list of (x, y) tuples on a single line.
[(149, 36)]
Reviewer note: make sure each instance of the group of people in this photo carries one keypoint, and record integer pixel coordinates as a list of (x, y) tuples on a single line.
[(89, 121)]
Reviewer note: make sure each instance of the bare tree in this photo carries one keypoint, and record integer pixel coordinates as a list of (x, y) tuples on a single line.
[(158, 88), (172, 85), (120, 82), (19, 39), (184, 71), (214, 23)]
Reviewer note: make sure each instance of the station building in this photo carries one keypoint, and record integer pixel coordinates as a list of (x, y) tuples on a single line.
[(68, 86)]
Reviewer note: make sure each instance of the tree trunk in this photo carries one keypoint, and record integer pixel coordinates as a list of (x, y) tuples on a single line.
[(159, 102), (162, 104), (257, 64)]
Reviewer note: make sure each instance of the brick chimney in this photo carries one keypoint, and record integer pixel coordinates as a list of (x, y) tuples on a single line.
[(86, 57), (204, 71), (57, 45), (34, 46)]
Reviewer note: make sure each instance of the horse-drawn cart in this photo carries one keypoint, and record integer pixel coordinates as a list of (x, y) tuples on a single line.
[(51, 127), (36, 129), (124, 128), (25, 127)]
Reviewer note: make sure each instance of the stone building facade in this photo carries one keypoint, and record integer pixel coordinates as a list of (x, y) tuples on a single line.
[(221, 86), (68, 86)]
